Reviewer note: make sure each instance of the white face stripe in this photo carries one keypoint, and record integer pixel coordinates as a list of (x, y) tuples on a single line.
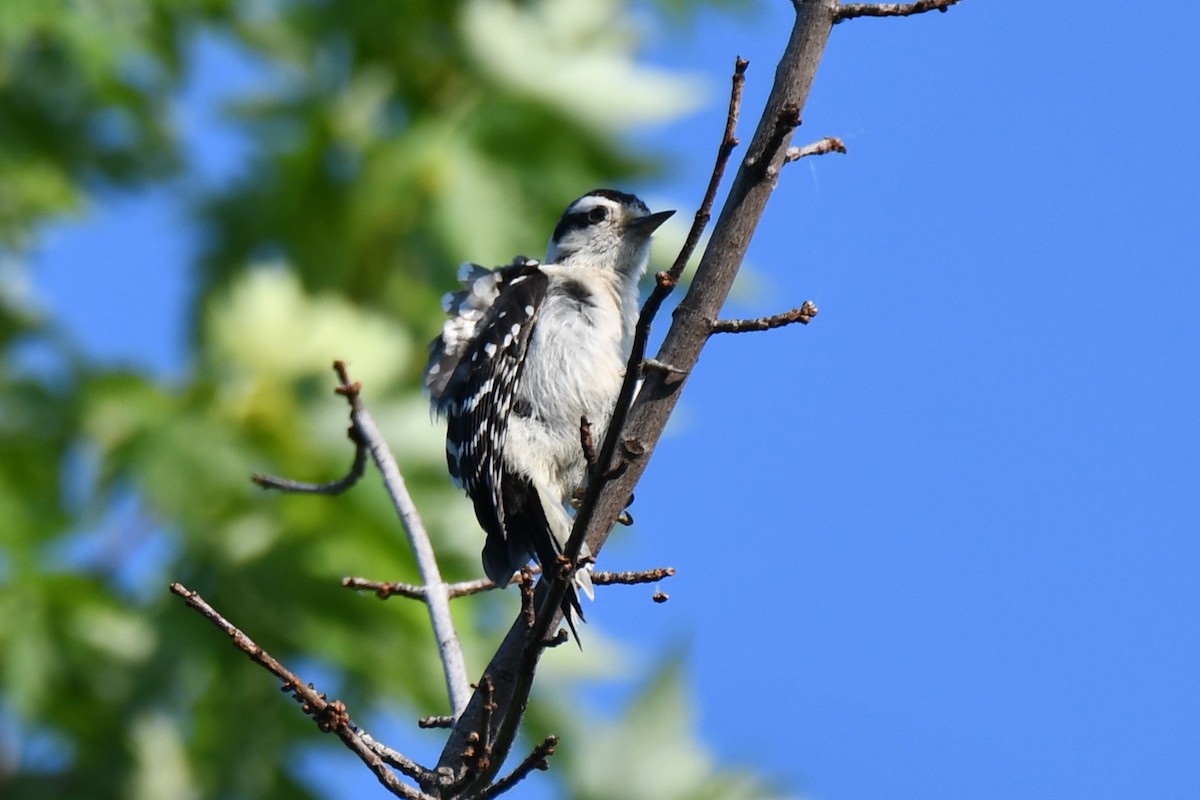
[(587, 203), (617, 198)]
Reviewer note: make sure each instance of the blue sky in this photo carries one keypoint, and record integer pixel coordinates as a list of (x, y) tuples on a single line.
[(944, 542)]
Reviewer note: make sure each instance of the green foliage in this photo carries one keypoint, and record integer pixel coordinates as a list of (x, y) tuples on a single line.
[(392, 140), (84, 88), (403, 139)]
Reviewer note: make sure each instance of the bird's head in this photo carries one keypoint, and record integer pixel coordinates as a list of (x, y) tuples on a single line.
[(605, 229)]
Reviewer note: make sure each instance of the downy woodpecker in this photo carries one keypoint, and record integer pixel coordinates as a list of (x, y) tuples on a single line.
[(530, 349)]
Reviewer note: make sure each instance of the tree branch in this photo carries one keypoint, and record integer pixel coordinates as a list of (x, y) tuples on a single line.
[(514, 663), (535, 760), (664, 284), (803, 315), (633, 577), (830, 144), (854, 10), (331, 717), (389, 756), (434, 593), (357, 468), (729, 141), (437, 598), (386, 589)]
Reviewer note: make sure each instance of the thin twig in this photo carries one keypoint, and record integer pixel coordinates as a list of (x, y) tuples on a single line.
[(663, 286), (435, 722), (478, 754), (632, 577), (655, 364), (803, 315), (397, 759), (550, 610), (853, 10), (528, 607), (386, 589), (830, 144), (729, 141), (436, 596), (331, 717), (535, 760), (588, 443), (333, 487)]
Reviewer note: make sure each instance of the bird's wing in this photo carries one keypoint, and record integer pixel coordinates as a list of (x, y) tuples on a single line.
[(475, 369)]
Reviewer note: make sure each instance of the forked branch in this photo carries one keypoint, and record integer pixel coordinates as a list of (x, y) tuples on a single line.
[(436, 595)]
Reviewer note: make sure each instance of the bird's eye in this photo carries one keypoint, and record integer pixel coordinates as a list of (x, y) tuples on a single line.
[(598, 214)]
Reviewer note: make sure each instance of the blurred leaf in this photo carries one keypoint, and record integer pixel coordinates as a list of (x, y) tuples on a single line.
[(389, 142), (84, 93), (654, 743)]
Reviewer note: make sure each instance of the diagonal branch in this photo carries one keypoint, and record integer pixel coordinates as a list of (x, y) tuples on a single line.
[(729, 141), (515, 661), (535, 760), (664, 284), (389, 756), (517, 657), (435, 594), (519, 653), (331, 717), (437, 598)]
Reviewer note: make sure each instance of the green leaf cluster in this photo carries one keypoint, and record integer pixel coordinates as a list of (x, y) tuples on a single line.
[(390, 141)]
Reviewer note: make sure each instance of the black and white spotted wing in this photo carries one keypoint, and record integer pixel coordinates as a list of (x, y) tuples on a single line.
[(480, 395)]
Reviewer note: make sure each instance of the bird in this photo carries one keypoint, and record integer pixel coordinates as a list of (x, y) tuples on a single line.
[(528, 351)]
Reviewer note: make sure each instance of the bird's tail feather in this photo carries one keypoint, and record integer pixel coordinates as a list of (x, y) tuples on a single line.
[(572, 610)]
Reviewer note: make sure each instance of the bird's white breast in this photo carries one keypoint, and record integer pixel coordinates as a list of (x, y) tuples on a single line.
[(573, 370)]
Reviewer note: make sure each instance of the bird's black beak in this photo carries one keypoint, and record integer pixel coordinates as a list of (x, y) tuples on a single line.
[(649, 224)]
